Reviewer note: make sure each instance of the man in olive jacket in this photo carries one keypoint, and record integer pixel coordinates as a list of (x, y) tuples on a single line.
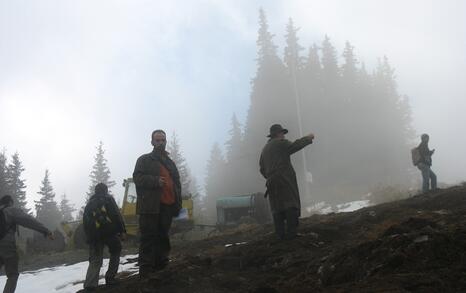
[(158, 191), (282, 186)]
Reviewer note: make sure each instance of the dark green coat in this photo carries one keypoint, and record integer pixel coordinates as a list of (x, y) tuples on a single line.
[(275, 166), (146, 177)]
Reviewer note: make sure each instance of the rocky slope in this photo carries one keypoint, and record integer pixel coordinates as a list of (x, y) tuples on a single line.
[(413, 245)]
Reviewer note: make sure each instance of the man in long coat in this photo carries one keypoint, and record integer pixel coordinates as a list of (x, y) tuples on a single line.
[(282, 186)]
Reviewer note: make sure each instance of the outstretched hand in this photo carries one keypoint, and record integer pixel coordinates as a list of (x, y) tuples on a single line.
[(311, 136), (50, 236)]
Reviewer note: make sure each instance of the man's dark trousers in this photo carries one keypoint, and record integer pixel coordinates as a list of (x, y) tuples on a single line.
[(96, 255), (155, 242), (11, 272), (291, 217)]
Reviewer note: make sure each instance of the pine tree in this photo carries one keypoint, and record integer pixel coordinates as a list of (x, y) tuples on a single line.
[(349, 70), (293, 61), (329, 60), (3, 174), (269, 104), (100, 172), (16, 184), (214, 180), (267, 49), (66, 209), (233, 145), (313, 67), (176, 155), (47, 210)]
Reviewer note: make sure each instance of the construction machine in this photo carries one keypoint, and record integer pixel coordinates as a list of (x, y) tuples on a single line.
[(235, 209)]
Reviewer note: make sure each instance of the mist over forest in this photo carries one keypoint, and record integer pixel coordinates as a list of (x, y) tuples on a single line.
[(366, 107), (362, 123)]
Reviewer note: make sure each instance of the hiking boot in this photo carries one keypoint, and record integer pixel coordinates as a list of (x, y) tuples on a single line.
[(161, 264), (111, 281)]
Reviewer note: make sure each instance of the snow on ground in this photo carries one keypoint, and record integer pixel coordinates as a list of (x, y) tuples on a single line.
[(65, 279), (352, 206), (323, 208)]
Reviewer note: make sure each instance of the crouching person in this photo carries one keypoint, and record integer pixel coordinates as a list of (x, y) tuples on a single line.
[(10, 218), (103, 226)]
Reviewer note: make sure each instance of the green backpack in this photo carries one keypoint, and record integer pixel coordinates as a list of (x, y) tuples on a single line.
[(97, 222), (416, 156)]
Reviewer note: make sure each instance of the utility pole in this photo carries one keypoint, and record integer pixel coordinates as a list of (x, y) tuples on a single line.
[(307, 173)]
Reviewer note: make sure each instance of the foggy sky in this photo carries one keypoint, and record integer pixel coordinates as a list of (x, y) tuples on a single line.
[(73, 73)]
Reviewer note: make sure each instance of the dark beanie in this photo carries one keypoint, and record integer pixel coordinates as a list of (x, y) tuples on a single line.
[(101, 188)]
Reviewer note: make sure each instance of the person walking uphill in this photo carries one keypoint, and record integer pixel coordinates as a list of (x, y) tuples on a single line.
[(429, 179), (10, 218), (282, 186), (103, 226), (158, 190)]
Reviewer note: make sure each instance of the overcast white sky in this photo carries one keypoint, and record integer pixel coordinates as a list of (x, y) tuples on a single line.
[(73, 73)]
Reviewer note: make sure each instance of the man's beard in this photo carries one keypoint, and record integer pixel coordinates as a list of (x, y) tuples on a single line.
[(160, 147)]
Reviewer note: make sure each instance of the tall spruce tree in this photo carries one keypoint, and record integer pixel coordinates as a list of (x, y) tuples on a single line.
[(100, 172), (66, 209), (267, 49), (233, 145), (292, 56), (349, 70), (329, 61), (16, 184), (270, 87), (3, 174), (47, 210), (214, 181), (176, 155)]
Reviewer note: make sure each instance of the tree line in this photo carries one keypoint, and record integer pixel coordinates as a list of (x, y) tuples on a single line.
[(51, 211), (362, 124)]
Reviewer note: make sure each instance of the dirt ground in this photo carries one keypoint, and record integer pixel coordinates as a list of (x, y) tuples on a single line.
[(414, 245)]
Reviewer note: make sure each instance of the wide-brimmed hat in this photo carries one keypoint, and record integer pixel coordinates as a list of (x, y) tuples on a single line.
[(276, 129)]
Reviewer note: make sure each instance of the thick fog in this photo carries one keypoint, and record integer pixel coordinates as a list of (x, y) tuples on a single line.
[(73, 74)]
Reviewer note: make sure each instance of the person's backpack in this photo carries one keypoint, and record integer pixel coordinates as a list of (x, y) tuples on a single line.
[(416, 155), (97, 221)]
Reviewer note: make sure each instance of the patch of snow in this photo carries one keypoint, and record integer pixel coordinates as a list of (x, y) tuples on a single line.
[(352, 206), (320, 208), (323, 208), (235, 244), (64, 279)]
